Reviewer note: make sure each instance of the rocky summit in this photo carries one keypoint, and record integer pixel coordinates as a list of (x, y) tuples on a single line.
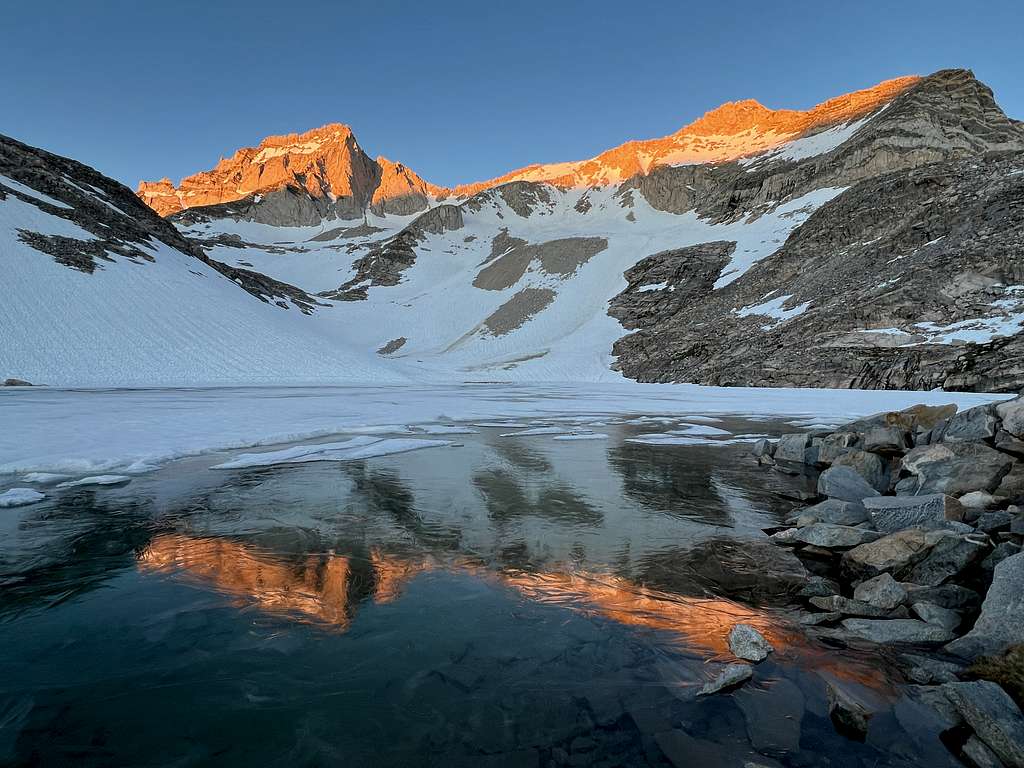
[(873, 241)]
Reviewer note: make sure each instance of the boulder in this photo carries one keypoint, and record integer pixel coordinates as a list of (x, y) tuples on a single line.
[(896, 513), (1012, 484), (763, 447), (730, 676), (999, 553), (838, 512), (882, 591), (978, 500), (934, 614), (895, 553), (792, 448), (1012, 414), (814, 619), (819, 586), (993, 716), (927, 670), (845, 484), (884, 631), (835, 536), (926, 416), (949, 555), (16, 383), (945, 595), (835, 445), (1001, 623), (869, 466), (990, 522), (848, 607), (747, 643), (978, 423), (886, 439), (1007, 443), (953, 468)]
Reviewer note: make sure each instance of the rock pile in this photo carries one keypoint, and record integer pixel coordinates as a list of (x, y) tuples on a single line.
[(915, 539)]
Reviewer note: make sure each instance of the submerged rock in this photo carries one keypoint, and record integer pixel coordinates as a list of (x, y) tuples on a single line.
[(849, 715), (747, 643), (730, 676)]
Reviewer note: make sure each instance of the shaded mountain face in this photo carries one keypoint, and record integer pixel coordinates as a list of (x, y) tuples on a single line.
[(873, 241), (98, 290)]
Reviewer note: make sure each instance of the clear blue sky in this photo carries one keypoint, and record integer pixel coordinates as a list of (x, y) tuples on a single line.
[(459, 90)]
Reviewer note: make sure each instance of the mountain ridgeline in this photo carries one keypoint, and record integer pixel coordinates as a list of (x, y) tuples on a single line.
[(874, 241)]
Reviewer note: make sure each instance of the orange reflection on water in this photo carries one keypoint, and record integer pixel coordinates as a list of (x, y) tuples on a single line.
[(318, 589), (315, 588)]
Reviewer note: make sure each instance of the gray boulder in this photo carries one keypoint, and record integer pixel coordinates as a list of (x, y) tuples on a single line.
[(978, 423), (747, 643), (792, 448), (845, 484), (835, 445), (953, 468), (949, 555), (996, 720), (884, 631), (934, 614), (1008, 443), (872, 467), (819, 586), (763, 447), (886, 439), (977, 501), (945, 595), (895, 553), (838, 512), (999, 553), (848, 607), (1012, 414), (1001, 622), (882, 591), (835, 536), (990, 522), (896, 513)]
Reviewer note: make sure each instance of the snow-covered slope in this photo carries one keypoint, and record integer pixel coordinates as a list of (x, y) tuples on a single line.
[(89, 299), (506, 296)]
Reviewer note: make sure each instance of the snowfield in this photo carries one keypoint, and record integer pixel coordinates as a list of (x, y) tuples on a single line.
[(83, 433)]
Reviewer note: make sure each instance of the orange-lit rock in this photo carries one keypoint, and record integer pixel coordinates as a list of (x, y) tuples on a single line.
[(330, 166)]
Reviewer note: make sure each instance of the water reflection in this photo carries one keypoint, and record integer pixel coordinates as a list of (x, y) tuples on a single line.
[(506, 602)]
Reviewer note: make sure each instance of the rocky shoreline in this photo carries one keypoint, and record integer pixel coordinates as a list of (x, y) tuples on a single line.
[(914, 542)]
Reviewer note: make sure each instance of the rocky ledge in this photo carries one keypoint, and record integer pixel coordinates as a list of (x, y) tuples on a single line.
[(914, 539)]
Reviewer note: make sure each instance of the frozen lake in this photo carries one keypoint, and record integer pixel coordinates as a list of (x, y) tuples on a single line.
[(539, 577)]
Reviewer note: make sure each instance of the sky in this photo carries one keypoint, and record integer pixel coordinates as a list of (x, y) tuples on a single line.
[(461, 90)]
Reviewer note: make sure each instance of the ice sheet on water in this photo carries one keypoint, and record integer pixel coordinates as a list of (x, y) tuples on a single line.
[(45, 478), (536, 431), (671, 439), (17, 497), (97, 480), (698, 429), (348, 450), (583, 436), (444, 429)]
